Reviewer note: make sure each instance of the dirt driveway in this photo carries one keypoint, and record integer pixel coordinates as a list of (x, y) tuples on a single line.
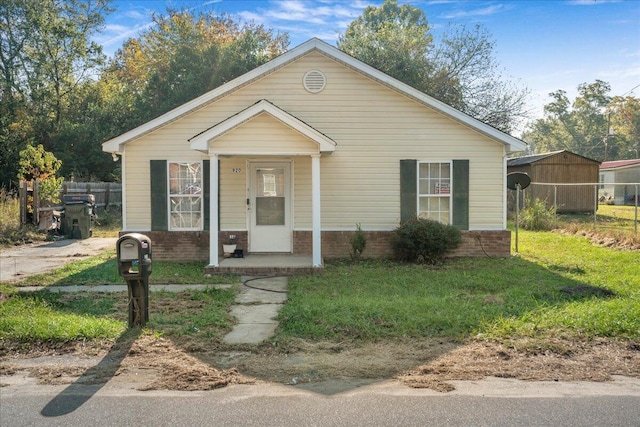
[(18, 263)]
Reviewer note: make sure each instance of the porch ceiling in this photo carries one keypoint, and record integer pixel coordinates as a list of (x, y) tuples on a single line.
[(314, 141)]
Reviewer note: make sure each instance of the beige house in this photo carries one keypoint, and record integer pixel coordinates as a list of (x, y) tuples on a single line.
[(289, 157)]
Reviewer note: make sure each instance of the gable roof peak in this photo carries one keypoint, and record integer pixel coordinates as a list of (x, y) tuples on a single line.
[(116, 144)]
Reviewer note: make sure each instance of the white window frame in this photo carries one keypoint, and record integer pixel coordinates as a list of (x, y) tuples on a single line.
[(435, 195), (186, 196)]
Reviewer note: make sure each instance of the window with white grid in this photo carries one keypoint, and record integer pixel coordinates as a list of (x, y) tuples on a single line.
[(434, 191), (185, 196)]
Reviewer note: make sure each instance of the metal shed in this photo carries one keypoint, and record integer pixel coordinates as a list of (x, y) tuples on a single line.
[(560, 167)]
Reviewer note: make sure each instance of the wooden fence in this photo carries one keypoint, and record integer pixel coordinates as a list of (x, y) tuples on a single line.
[(32, 210)]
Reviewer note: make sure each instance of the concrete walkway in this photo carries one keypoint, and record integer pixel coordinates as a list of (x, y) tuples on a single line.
[(118, 288), (257, 305)]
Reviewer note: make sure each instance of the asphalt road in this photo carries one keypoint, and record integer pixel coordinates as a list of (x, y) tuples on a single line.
[(492, 402)]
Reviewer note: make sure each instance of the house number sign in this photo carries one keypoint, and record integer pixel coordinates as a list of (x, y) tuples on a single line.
[(236, 170)]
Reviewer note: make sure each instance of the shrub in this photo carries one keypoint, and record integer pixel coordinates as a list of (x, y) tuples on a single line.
[(425, 240), (537, 216), (358, 243)]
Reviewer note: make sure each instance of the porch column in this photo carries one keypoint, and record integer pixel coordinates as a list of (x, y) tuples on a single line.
[(315, 209), (213, 211)]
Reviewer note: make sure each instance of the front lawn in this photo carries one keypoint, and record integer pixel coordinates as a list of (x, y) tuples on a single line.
[(558, 284)]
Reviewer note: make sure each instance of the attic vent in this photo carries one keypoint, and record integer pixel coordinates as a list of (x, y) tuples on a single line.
[(314, 81)]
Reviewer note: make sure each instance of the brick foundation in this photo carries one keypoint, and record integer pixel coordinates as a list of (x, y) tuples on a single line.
[(194, 245), (484, 243), (337, 244)]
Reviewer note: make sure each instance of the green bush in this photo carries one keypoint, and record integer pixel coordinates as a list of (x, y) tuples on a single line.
[(425, 240), (358, 243), (537, 216)]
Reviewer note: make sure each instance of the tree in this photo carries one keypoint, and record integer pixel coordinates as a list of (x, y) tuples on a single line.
[(395, 39), (183, 56), (624, 113), (594, 125), (46, 54), (460, 70), (38, 164)]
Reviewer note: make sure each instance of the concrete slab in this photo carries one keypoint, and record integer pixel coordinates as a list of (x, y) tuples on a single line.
[(257, 306), (266, 265), (271, 290), (120, 288), (256, 313), (268, 260), (250, 333), (16, 264)]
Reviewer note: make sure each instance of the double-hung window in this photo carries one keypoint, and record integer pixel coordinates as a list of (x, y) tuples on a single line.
[(185, 195), (434, 191)]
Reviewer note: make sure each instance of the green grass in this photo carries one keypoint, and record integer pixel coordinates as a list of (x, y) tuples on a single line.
[(34, 317), (558, 283), (102, 269), (60, 317), (197, 313), (591, 268)]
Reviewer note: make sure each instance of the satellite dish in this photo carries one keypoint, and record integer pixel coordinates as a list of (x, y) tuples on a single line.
[(515, 178)]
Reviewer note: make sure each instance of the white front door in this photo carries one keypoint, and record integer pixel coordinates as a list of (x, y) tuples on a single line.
[(269, 204)]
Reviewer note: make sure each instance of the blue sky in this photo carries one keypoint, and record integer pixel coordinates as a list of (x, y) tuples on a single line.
[(544, 45)]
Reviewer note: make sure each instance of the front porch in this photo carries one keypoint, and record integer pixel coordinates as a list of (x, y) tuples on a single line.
[(266, 265)]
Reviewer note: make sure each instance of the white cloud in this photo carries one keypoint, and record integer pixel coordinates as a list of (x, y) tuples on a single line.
[(486, 11), (304, 19), (621, 71), (591, 2), (114, 35)]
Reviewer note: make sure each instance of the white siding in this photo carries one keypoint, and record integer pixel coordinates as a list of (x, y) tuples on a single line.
[(374, 127)]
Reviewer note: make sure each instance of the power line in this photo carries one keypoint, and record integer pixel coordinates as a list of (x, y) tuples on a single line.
[(631, 90)]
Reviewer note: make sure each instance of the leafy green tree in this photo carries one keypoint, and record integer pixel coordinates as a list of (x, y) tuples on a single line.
[(459, 70), (395, 39), (38, 164), (624, 114), (594, 125), (183, 56), (46, 54)]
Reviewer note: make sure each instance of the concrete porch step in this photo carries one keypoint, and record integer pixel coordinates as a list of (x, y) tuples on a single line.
[(266, 265)]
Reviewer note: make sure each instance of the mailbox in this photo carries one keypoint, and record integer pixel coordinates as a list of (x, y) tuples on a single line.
[(134, 265)]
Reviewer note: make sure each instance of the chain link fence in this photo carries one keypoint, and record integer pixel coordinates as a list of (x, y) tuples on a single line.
[(585, 198)]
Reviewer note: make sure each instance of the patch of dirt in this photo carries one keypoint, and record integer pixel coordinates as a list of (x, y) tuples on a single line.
[(586, 291), (422, 364), (608, 240), (556, 360), (172, 367), (299, 361)]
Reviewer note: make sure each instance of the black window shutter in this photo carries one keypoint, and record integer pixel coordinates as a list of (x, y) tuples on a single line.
[(206, 191), (460, 192), (408, 190), (159, 207)]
